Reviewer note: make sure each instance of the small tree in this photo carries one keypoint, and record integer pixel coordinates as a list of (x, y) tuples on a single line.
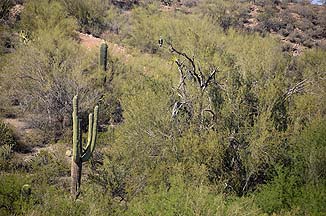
[(191, 72)]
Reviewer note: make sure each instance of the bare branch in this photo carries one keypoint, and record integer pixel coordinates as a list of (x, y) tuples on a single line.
[(209, 79), (191, 60)]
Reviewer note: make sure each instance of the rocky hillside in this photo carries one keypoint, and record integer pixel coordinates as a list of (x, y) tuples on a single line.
[(299, 26)]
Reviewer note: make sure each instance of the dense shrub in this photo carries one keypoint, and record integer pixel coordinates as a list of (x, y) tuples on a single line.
[(5, 6), (225, 14), (50, 68), (90, 14), (7, 142), (183, 199), (300, 185), (248, 142), (7, 137), (11, 200)]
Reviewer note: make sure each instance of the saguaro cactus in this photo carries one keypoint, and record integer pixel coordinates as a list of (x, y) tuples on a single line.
[(80, 154), (103, 56)]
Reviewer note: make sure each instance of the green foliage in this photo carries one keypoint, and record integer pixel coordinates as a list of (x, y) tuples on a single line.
[(50, 69), (58, 203), (6, 134), (287, 192), (90, 14), (254, 127), (48, 168), (183, 199), (7, 142), (44, 17), (280, 194), (300, 185), (225, 14), (11, 200), (309, 152)]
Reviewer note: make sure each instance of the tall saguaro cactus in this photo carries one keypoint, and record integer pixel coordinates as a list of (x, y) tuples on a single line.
[(103, 56), (81, 154)]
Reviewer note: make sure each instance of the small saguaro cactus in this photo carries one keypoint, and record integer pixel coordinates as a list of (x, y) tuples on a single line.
[(103, 56), (80, 154)]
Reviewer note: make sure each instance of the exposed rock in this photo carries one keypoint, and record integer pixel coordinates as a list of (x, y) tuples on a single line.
[(68, 153)]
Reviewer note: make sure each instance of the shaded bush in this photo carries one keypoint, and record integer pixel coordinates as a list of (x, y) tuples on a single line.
[(183, 199), (7, 143), (90, 14), (5, 6), (299, 186), (11, 200), (6, 134)]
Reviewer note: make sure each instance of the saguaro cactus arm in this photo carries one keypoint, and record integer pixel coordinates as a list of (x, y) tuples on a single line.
[(90, 130), (91, 146)]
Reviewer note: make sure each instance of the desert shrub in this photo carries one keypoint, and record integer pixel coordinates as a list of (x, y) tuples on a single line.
[(49, 167), (167, 2), (11, 200), (309, 152), (280, 193), (225, 14), (153, 163), (267, 14), (322, 44), (242, 161), (304, 25), (43, 200), (90, 14), (49, 200), (5, 6), (125, 4), (149, 30), (179, 198), (39, 17), (57, 202), (58, 87), (7, 142), (317, 32), (304, 11), (308, 43), (6, 39), (47, 67), (300, 185), (287, 47), (296, 37), (284, 32), (311, 105), (189, 3), (7, 136), (116, 21), (274, 24), (95, 16)]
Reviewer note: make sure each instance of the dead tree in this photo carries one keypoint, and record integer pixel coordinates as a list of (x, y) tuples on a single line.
[(189, 70)]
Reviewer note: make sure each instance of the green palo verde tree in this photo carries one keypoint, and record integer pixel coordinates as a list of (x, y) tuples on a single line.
[(103, 56), (81, 154)]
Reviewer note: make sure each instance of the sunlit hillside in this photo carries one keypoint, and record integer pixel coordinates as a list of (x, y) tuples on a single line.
[(162, 107)]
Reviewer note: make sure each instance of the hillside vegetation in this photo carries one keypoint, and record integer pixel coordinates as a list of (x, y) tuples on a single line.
[(206, 107)]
